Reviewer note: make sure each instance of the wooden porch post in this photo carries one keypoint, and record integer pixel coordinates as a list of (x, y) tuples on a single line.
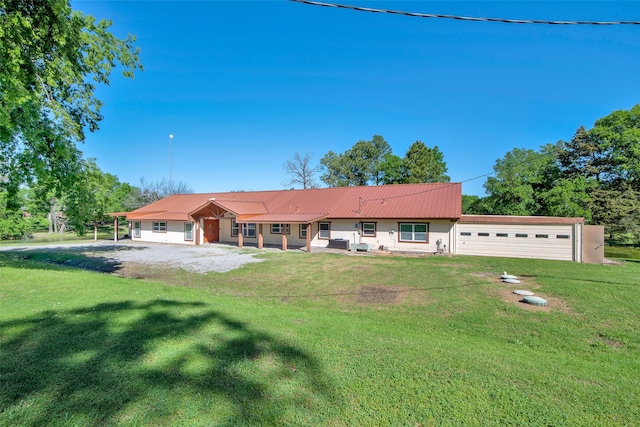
[(284, 237), (309, 230), (240, 237), (115, 229), (260, 238)]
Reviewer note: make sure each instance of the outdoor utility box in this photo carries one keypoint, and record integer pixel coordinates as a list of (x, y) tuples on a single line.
[(338, 244), (359, 247)]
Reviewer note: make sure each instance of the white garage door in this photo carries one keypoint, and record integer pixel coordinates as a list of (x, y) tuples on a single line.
[(517, 241)]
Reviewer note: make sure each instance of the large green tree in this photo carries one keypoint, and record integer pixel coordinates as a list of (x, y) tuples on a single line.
[(518, 176), (359, 165), (607, 158), (372, 162), (618, 210), (392, 170), (51, 60), (99, 194), (529, 182), (424, 164), (86, 201), (337, 170)]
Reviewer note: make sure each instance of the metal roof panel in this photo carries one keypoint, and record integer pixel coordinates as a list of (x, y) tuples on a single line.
[(407, 201)]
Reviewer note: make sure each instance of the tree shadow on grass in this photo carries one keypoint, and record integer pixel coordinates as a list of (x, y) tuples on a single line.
[(80, 257), (160, 362)]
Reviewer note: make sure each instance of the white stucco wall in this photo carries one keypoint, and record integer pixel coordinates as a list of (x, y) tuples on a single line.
[(349, 230), (174, 234), (339, 229), (293, 238)]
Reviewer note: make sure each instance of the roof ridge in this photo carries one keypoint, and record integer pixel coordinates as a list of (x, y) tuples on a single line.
[(284, 190)]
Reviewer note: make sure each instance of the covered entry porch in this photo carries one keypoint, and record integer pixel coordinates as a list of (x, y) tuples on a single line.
[(239, 222)]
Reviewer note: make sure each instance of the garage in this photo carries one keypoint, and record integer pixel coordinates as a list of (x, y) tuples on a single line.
[(519, 237)]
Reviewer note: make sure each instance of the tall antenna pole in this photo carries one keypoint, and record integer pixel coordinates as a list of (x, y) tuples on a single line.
[(171, 160)]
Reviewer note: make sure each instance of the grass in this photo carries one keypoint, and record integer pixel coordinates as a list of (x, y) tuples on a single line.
[(622, 252), (319, 339), (41, 237)]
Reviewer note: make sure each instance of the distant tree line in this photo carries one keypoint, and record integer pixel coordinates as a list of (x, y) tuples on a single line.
[(595, 175), (370, 163), (82, 204)]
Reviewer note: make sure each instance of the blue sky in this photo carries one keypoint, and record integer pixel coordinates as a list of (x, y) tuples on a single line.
[(243, 85)]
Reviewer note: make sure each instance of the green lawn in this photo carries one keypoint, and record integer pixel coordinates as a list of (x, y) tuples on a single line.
[(622, 252), (320, 339), (104, 233)]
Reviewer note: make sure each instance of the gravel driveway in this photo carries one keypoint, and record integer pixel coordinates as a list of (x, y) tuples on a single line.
[(201, 259)]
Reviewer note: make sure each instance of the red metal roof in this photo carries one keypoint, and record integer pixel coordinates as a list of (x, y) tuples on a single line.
[(401, 201), (285, 218), (238, 207)]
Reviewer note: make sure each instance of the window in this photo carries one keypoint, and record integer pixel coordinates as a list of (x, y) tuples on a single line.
[(136, 229), (248, 230), (369, 229), (160, 227), (324, 230), (483, 234), (188, 231), (502, 234), (563, 236), (413, 232), (277, 228), (303, 231), (521, 235), (465, 233)]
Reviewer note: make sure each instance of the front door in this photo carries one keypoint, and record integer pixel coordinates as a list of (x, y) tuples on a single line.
[(211, 230)]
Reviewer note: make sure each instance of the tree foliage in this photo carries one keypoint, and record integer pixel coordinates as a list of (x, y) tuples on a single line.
[(100, 194), (468, 202), (359, 165), (530, 182), (88, 200), (424, 164), (13, 224), (519, 175), (595, 175), (52, 60), (607, 158), (372, 162), (392, 170), (618, 210)]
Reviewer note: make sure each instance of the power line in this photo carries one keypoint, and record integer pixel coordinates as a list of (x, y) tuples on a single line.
[(464, 18), (443, 186)]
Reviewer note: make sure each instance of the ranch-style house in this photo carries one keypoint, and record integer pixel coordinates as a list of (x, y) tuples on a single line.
[(406, 217)]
